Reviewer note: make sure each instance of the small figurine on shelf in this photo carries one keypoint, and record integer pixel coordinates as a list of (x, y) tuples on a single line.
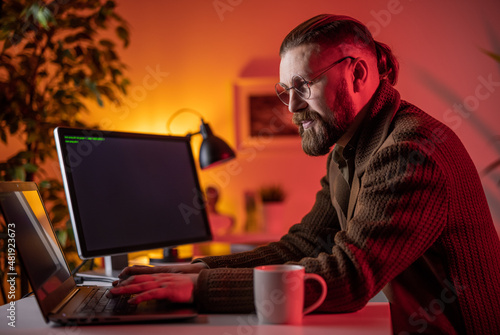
[(221, 224)]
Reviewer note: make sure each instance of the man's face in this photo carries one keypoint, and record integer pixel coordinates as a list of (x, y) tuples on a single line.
[(326, 115)]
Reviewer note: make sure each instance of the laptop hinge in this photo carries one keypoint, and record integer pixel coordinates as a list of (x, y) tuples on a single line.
[(65, 301)]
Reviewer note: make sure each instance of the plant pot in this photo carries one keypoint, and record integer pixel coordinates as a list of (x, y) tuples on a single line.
[(273, 213)]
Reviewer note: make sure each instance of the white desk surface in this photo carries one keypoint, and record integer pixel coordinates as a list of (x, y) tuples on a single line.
[(374, 319)]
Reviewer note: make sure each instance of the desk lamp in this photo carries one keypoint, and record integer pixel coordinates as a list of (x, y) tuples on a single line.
[(213, 149)]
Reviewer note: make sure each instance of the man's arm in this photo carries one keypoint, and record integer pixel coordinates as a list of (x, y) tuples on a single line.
[(313, 235), (402, 209), (400, 212)]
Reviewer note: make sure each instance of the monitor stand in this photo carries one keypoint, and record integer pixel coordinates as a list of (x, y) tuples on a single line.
[(170, 255), (115, 263)]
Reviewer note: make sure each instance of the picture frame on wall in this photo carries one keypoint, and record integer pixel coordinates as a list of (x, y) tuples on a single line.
[(261, 118)]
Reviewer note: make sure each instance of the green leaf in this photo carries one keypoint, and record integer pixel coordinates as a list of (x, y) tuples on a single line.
[(3, 136), (495, 56), (24, 155), (13, 127), (59, 211), (70, 39), (19, 173), (109, 4), (30, 46), (42, 15), (7, 44), (99, 99), (30, 168), (123, 86), (107, 91), (42, 19), (92, 85), (78, 51), (62, 236), (68, 54), (110, 55), (83, 36), (106, 43), (44, 184), (31, 11), (123, 34)]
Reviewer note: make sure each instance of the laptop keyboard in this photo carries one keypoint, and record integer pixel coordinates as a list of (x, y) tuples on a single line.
[(98, 302)]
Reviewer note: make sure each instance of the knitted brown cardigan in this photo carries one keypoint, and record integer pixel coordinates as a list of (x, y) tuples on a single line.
[(421, 231)]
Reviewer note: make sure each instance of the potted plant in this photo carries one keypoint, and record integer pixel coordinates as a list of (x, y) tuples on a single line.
[(272, 197), (53, 59)]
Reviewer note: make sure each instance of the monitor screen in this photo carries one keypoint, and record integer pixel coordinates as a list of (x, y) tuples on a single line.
[(129, 192)]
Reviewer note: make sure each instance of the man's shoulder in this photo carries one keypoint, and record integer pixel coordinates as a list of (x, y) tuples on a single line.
[(412, 122), (418, 129), (409, 115)]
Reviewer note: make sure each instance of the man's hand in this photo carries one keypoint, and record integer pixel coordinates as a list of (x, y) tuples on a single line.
[(175, 287), (143, 269)]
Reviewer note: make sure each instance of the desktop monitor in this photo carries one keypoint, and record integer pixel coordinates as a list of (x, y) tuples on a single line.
[(129, 191)]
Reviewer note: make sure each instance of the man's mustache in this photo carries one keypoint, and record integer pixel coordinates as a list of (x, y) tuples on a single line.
[(307, 115)]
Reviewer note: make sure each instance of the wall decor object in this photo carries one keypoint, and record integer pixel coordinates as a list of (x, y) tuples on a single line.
[(261, 118)]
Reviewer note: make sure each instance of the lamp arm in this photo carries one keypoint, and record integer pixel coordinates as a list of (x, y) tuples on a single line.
[(189, 135), (213, 149), (180, 111)]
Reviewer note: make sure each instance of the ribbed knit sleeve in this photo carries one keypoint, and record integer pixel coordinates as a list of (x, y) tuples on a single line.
[(385, 236), (225, 290), (386, 233)]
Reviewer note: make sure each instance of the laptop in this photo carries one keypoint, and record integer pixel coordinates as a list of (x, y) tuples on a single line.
[(60, 299)]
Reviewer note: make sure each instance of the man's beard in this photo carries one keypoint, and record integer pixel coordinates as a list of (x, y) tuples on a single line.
[(320, 137)]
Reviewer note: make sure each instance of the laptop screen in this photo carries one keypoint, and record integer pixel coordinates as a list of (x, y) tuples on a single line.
[(130, 192), (38, 247)]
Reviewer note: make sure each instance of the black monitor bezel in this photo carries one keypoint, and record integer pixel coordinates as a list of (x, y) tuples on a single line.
[(83, 251)]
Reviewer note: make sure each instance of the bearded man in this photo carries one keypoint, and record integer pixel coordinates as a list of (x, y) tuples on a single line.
[(401, 208)]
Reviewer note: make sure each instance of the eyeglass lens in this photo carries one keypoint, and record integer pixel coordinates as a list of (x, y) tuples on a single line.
[(300, 86)]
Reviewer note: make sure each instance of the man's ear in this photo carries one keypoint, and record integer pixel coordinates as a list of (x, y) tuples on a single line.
[(359, 74)]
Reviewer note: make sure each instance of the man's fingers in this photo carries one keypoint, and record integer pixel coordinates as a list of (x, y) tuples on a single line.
[(146, 277), (174, 287), (135, 288), (148, 295), (138, 279), (134, 270), (143, 281), (144, 269), (165, 291)]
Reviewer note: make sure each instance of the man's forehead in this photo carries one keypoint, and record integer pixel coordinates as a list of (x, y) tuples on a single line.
[(300, 53), (297, 60), (316, 51), (307, 58)]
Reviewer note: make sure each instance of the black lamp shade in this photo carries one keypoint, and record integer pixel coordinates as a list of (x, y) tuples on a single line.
[(213, 150)]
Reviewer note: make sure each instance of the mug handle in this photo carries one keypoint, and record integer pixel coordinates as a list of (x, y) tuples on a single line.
[(320, 300)]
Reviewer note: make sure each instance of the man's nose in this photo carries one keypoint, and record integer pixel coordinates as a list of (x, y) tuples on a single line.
[(296, 102)]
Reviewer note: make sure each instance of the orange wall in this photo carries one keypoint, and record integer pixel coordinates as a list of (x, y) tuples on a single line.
[(199, 53)]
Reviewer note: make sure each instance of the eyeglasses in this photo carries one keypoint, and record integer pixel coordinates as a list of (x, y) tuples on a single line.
[(301, 86)]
